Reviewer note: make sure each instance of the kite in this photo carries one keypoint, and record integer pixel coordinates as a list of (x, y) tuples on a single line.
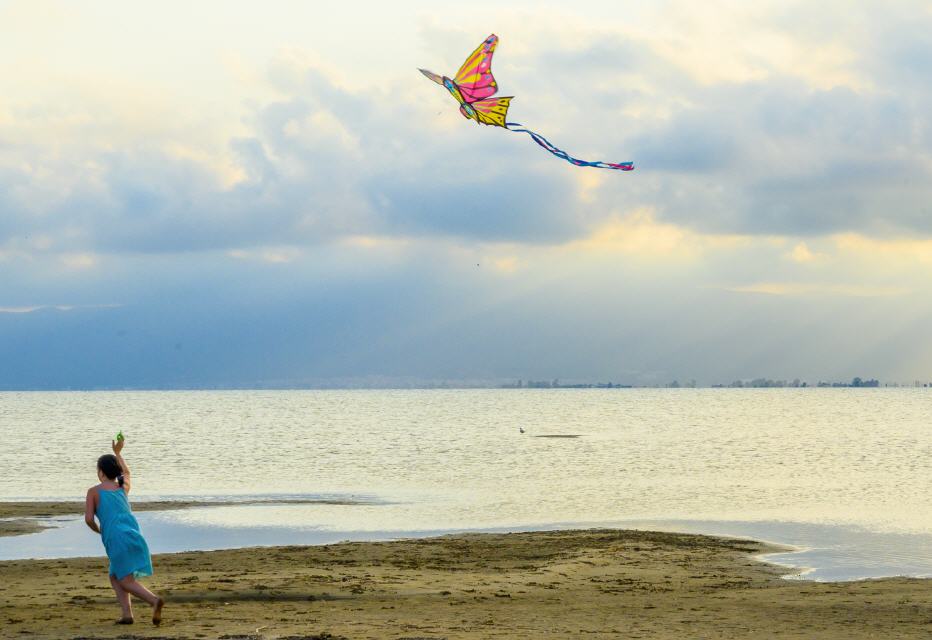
[(473, 87)]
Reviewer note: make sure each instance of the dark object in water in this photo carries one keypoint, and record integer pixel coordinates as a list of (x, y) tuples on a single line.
[(560, 435)]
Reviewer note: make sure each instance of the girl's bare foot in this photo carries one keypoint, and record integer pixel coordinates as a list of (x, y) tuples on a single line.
[(124, 621), (157, 612)]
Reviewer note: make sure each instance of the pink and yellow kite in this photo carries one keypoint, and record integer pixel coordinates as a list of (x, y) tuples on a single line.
[(473, 87)]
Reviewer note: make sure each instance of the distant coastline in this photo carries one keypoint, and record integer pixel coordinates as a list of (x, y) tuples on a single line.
[(756, 383), (398, 384)]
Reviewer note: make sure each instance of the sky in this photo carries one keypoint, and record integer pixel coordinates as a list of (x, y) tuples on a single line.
[(238, 193)]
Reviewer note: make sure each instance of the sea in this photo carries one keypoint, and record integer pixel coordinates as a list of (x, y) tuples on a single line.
[(843, 476)]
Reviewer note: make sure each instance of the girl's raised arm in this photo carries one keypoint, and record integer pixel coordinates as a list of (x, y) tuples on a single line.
[(117, 448)]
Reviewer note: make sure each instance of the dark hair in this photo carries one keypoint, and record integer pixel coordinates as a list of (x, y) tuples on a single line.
[(110, 467)]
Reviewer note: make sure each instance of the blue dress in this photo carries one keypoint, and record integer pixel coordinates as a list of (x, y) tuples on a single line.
[(119, 530)]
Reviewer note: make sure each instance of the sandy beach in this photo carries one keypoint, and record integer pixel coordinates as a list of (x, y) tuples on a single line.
[(565, 584)]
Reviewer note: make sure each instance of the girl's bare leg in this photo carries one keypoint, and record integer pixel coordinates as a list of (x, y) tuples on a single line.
[(129, 584), (123, 598)]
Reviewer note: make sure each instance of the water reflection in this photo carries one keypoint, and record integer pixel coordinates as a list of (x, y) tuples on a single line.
[(829, 552)]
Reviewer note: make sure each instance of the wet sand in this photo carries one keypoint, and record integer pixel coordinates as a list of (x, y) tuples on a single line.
[(20, 518), (561, 584)]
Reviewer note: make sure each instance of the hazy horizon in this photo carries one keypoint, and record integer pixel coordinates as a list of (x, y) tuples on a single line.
[(377, 383)]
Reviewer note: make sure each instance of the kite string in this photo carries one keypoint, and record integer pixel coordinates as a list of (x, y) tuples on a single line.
[(560, 153)]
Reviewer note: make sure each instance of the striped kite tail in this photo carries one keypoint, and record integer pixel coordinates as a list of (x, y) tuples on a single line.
[(560, 153)]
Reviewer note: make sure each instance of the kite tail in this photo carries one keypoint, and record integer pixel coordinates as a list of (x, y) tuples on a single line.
[(560, 153)]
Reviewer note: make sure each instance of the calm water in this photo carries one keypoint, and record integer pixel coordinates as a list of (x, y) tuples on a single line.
[(844, 472)]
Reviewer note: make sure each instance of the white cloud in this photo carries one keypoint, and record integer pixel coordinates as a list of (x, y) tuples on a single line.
[(79, 260), (820, 289), (56, 307), (803, 254), (781, 139)]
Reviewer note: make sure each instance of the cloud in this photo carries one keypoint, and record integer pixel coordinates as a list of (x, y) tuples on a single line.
[(57, 307), (640, 234), (767, 148), (819, 289), (900, 251), (507, 264), (299, 203), (803, 254), (79, 260)]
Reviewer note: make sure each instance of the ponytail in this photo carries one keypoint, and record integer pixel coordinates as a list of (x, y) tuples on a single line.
[(110, 467)]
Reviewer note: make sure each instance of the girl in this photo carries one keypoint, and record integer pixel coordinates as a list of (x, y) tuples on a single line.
[(126, 548)]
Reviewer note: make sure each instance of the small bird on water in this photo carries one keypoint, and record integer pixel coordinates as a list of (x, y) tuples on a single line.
[(521, 429)]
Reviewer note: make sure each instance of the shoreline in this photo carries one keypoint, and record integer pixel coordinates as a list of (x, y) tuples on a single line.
[(837, 554), (25, 517), (594, 583)]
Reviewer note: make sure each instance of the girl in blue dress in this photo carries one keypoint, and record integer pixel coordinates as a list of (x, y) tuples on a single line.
[(119, 530)]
